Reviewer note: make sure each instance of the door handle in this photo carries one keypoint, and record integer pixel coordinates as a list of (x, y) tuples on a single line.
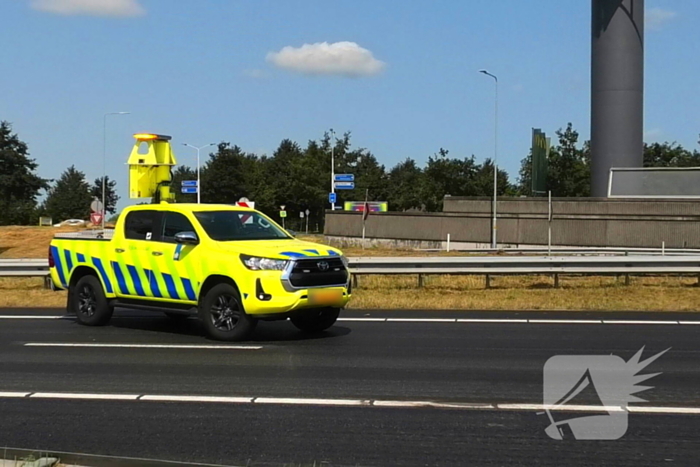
[(157, 253), (119, 250)]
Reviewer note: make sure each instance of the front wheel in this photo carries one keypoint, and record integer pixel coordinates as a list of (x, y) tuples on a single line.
[(223, 315), (315, 320), (88, 302)]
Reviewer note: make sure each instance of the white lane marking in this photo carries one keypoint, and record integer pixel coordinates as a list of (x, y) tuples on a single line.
[(562, 408), (36, 317), (428, 320), (304, 401), (363, 319), (68, 395), (224, 400), (351, 402), (421, 320), (437, 405), (669, 410), (565, 321), (14, 394), (490, 320), (144, 346), (621, 321)]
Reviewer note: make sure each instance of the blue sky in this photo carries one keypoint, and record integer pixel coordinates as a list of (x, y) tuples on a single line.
[(403, 76)]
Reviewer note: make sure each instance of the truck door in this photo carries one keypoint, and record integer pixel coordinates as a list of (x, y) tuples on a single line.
[(176, 267), (130, 259)]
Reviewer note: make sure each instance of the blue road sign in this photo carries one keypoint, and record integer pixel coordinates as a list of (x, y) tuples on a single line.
[(189, 189), (344, 177), (189, 183), (344, 185), (332, 198)]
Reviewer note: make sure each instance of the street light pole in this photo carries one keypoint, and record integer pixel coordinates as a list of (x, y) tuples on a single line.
[(199, 185), (104, 162), (495, 160), (332, 167)]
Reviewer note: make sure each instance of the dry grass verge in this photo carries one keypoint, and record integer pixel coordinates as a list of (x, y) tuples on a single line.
[(28, 242), (466, 293), (528, 293), (28, 292)]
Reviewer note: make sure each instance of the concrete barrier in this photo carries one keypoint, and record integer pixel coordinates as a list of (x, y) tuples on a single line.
[(594, 222)]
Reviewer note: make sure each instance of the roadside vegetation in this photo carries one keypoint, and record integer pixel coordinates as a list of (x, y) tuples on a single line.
[(301, 173), (466, 293), (667, 293)]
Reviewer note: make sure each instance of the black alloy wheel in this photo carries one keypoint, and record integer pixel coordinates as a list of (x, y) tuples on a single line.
[(223, 315), (88, 302)]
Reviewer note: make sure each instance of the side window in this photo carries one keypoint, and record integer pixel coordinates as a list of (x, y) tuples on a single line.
[(174, 223), (139, 225)]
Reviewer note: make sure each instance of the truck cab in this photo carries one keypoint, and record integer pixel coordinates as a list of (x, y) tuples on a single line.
[(230, 266)]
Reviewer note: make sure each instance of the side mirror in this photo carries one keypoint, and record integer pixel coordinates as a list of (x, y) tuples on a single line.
[(292, 233), (187, 238)]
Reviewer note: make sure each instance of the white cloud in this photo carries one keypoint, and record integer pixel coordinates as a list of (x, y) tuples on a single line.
[(656, 18), (113, 8), (322, 58)]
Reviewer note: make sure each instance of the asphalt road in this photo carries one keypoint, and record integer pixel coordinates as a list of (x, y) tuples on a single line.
[(291, 383)]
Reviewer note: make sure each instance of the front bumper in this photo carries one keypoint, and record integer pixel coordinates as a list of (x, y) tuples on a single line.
[(272, 292)]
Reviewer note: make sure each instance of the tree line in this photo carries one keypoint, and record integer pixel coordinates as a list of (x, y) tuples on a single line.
[(299, 177)]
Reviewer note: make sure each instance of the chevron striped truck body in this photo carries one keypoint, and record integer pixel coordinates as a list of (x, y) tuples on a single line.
[(229, 264)]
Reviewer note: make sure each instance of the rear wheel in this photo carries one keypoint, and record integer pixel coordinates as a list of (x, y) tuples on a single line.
[(89, 303), (223, 315), (315, 320)]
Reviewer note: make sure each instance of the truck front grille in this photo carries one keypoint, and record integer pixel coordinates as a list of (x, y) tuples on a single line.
[(314, 273)]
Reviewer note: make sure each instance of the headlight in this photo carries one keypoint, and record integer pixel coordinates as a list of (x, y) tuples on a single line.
[(256, 263), (346, 261)]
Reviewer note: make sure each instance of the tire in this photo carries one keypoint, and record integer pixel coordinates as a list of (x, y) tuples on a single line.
[(223, 316), (315, 320), (88, 302)]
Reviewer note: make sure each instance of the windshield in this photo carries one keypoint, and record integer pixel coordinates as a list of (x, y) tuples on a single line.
[(226, 226)]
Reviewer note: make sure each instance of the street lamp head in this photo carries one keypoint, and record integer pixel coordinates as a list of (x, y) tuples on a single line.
[(486, 72)]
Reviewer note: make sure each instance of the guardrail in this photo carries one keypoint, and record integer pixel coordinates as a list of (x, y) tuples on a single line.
[(526, 265), (476, 265), (24, 267), (582, 251)]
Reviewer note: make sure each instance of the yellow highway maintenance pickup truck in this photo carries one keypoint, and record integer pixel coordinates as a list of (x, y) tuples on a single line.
[(232, 265)]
